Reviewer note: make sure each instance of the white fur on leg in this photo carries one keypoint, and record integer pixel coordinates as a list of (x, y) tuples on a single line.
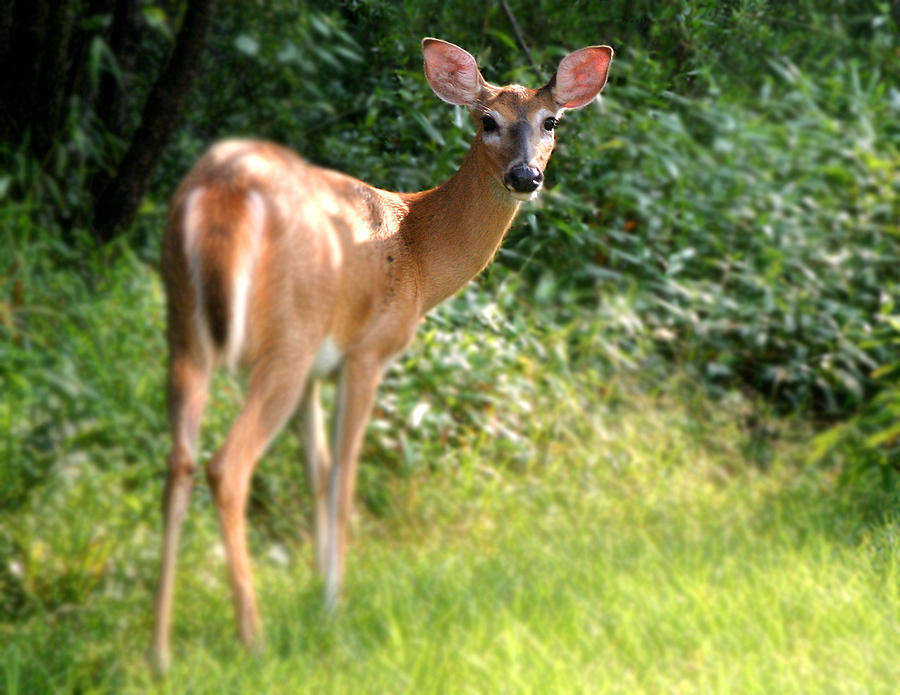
[(332, 569), (332, 559), (192, 222)]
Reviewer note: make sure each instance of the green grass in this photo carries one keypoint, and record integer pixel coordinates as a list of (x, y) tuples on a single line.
[(550, 525), (647, 558)]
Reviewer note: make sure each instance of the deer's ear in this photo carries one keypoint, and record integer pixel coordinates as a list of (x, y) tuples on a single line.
[(452, 72), (580, 76)]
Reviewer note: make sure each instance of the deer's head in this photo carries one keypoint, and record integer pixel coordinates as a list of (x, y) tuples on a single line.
[(516, 125)]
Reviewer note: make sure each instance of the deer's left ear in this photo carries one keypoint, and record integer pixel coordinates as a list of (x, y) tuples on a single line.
[(580, 76)]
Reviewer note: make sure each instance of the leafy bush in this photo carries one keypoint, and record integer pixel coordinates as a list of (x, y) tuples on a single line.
[(764, 241), (730, 205), (868, 444), (736, 182)]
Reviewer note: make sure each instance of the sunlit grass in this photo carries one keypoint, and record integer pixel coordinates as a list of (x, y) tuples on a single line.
[(545, 527), (641, 559)]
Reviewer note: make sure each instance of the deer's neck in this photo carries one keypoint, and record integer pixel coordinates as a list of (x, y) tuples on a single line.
[(454, 230)]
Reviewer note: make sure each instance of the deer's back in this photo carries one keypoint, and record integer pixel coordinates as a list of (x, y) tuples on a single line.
[(320, 254)]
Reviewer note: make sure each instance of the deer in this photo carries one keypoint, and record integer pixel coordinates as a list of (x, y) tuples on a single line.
[(299, 274)]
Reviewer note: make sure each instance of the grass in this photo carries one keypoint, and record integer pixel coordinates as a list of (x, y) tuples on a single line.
[(644, 560), (547, 526)]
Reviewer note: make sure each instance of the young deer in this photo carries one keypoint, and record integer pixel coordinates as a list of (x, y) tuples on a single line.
[(303, 273)]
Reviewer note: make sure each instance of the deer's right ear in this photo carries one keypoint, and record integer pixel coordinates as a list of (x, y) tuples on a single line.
[(452, 72)]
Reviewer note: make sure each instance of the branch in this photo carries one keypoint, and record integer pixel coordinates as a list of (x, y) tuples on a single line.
[(521, 39)]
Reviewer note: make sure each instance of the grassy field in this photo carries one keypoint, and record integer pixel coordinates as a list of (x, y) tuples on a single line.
[(645, 560), (611, 538)]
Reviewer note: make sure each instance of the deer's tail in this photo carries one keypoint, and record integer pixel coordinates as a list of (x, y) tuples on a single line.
[(222, 230)]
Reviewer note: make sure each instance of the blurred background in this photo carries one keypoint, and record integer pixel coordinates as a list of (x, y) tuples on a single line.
[(708, 285)]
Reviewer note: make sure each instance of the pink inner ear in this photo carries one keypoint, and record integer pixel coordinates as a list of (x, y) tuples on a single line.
[(459, 71), (581, 76), (452, 72)]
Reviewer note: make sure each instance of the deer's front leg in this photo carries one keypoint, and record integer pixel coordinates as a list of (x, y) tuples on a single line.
[(357, 383), (318, 462)]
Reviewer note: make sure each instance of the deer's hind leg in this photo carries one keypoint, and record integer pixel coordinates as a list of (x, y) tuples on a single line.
[(188, 382), (275, 387)]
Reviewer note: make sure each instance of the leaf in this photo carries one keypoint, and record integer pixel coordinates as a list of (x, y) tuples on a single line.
[(289, 53), (418, 413), (429, 129), (504, 38), (885, 436), (884, 370), (100, 57), (320, 26), (348, 54), (247, 45), (156, 18)]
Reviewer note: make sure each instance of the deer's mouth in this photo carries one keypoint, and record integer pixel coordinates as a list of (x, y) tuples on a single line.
[(524, 197)]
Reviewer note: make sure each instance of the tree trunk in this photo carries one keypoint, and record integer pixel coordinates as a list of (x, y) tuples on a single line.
[(123, 42), (6, 23), (116, 205), (20, 66), (50, 90)]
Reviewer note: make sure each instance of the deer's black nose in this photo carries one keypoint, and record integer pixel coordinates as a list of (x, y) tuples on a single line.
[(524, 178)]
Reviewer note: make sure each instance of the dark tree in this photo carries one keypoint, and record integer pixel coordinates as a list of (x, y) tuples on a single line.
[(48, 59), (123, 42), (116, 203), (21, 59), (49, 96)]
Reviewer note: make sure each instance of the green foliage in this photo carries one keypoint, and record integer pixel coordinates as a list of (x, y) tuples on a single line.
[(279, 71), (737, 181), (766, 241), (537, 539), (74, 421), (57, 182), (868, 444)]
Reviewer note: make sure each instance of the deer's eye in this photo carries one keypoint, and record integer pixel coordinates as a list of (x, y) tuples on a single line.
[(551, 123), (489, 124)]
